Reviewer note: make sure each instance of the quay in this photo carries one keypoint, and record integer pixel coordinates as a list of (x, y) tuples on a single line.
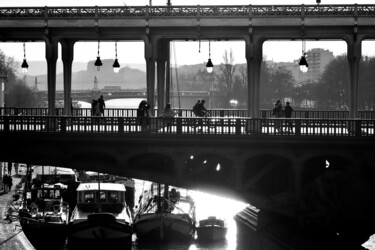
[(11, 234)]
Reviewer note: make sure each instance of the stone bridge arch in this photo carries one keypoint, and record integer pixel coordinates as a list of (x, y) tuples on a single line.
[(267, 174)]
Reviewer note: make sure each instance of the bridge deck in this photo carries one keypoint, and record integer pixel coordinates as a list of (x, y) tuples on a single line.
[(188, 126)]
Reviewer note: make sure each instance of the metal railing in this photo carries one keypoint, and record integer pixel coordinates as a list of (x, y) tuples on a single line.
[(187, 126), (189, 11), (265, 113)]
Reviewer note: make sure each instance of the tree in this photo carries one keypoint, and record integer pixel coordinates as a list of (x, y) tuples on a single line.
[(332, 91), (275, 83), (17, 94), (226, 75), (366, 88)]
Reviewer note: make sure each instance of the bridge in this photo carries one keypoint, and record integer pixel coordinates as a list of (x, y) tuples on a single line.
[(245, 158), (282, 174)]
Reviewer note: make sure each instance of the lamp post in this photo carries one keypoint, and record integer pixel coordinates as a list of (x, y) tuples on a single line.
[(209, 65), (116, 65), (98, 63), (24, 65)]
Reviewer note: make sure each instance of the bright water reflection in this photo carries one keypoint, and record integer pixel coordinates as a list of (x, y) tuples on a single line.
[(128, 103), (206, 205)]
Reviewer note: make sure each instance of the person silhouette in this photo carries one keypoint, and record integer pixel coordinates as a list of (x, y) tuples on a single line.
[(288, 114)]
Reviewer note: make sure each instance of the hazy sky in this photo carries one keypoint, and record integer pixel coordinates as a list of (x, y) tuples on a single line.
[(186, 52)]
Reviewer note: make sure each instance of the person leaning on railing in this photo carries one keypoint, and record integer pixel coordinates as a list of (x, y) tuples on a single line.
[(143, 115), (168, 115)]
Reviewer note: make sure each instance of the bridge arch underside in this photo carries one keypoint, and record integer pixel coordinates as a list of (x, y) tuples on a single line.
[(337, 192), (267, 174)]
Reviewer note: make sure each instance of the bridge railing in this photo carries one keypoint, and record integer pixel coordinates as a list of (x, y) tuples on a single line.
[(187, 11), (317, 114), (188, 126)]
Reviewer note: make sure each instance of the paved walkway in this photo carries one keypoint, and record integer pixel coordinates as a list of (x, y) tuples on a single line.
[(11, 235)]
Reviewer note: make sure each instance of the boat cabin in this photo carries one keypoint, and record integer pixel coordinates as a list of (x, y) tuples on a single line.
[(212, 221), (103, 197)]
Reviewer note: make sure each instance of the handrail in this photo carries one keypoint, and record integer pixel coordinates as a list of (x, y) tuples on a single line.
[(200, 11), (188, 126), (264, 113)]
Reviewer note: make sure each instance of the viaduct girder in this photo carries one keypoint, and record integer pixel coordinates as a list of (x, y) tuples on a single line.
[(188, 22)]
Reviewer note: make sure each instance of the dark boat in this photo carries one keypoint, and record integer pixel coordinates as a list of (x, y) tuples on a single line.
[(101, 219), (45, 220), (163, 219), (211, 229)]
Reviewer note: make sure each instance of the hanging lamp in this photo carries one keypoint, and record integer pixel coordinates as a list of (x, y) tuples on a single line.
[(116, 65), (24, 64), (303, 65), (98, 63), (209, 65)]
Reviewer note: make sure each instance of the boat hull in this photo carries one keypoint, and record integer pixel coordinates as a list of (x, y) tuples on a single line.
[(163, 227), (99, 231), (211, 233), (45, 235)]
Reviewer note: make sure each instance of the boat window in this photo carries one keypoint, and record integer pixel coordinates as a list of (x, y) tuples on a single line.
[(102, 196), (40, 194), (57, 193), (113, 197), (88, 197)]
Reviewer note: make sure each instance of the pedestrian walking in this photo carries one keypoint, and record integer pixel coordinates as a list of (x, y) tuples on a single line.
[(278, 113), (143, 114), (10, 183), (95, 109), (101, 105), (288, 114), (10, 168), (199, 109), (5, 183)]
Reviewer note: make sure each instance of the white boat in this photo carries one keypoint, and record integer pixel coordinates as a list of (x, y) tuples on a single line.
[(211, 229), (44, 220), (101, 219), (164, 220)]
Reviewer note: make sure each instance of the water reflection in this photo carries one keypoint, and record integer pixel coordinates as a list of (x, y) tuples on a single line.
[(206, 205)]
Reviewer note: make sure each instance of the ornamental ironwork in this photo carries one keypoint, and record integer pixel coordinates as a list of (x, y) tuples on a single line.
[(189, 11)]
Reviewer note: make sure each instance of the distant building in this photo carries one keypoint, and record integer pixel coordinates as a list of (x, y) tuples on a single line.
[(317, 59)]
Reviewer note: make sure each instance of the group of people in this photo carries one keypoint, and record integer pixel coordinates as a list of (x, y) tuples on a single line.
[(143, 113), (199, 109), (279, 112), (98, 106), (168, 113)]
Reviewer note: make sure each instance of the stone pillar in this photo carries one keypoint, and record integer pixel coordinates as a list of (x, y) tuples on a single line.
[(354, 57), (162, 58), (168, 81), (254, 53), (67, 59), (51, 57), (150, 72)]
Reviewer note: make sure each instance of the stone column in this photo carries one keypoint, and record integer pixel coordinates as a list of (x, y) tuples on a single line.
[(354, 57), (51, 57), (254, 61), (67, 59), (150, 71), (162, 58)]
